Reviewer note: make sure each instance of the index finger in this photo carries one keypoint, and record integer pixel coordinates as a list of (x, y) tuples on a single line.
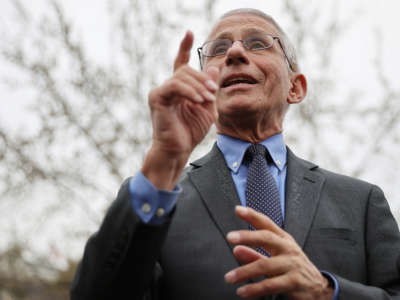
[(184, 50), (258, 220)]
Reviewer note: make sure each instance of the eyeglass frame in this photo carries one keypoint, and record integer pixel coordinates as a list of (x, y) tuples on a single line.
[(200, 54)]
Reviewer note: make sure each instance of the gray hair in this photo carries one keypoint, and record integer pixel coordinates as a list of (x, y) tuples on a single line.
[(287, 45)]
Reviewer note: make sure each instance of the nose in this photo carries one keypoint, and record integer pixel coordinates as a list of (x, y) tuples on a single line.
[(236, 54)]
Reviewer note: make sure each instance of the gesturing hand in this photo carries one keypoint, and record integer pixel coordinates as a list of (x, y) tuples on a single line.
[(182, 111), (183, 108), (288, 270)]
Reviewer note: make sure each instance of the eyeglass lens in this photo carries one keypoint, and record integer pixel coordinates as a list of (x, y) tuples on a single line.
[(252, 42)]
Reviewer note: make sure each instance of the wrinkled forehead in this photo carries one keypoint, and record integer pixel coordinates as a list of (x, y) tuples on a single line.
[(241, 24)]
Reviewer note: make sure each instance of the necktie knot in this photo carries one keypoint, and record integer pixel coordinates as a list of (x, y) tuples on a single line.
[(256, 149)]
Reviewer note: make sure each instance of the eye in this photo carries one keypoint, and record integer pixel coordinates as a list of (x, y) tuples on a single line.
[(258, 42), (218, 47)]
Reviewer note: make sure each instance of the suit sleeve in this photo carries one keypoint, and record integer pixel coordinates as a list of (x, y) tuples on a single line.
[(383, 254), (120, 260)]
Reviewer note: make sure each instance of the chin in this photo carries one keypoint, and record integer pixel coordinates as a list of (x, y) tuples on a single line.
[(239, 104)]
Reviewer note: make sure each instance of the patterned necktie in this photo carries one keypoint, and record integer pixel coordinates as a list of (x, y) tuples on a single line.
[(261, 191)]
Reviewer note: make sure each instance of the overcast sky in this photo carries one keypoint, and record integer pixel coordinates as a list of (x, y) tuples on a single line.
[(352, 62), (355, 53)]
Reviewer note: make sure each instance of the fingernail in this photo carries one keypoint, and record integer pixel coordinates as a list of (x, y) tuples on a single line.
[(209, 96), (242, 210), (212, 85), (241, 291), (233, 237), (198, 98), (230, 276)]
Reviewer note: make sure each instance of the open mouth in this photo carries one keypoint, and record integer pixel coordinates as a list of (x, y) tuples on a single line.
[(233, 80)]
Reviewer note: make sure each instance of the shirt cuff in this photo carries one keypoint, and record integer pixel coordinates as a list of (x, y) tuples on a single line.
[(152, 205), (333, 283)]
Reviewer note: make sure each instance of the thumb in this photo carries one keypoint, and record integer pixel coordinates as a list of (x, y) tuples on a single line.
[(184, 50)]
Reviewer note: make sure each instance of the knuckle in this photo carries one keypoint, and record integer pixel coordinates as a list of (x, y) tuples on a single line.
[(295, 262), (292, 248), (263, 264), (240, 274), (203, 76), (265, 285), (292, 252), (153, 94), (173, 84), (294, 280), (254, 290), (287, 236), (265, 235), (183, 69), (290, 238)]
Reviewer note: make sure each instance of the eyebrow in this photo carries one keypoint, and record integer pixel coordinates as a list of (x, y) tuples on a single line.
[(245, 32)]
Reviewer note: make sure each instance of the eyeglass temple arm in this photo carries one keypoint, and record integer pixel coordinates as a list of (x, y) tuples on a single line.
[(284, 53), (200, 60)]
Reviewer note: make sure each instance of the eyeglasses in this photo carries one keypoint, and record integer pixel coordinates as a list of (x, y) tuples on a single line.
[(253, 42)]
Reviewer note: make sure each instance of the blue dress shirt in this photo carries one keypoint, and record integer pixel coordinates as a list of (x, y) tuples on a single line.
[(153, 206), (234, 150)]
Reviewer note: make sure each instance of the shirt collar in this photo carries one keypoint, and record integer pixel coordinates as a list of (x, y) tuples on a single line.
[(234, 150)]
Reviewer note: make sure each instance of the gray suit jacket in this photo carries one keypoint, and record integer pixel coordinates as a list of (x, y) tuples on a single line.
[(344, 226)]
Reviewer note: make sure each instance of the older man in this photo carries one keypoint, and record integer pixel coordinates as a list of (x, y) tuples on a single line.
[(249, 219)]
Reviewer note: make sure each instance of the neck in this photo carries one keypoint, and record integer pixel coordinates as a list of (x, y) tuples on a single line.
[(253, 133)]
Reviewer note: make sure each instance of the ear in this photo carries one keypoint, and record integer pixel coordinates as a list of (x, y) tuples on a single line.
[(298, 88)]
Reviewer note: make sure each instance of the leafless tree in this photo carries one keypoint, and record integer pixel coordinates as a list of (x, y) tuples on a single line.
[(89, 124), (354, 131)]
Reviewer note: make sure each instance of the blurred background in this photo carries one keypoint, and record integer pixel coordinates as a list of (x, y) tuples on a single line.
[(74, 122)]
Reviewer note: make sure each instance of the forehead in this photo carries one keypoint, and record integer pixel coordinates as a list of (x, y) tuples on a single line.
[(241, 24)]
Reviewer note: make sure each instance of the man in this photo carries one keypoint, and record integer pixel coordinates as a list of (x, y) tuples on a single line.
[(313, 234)]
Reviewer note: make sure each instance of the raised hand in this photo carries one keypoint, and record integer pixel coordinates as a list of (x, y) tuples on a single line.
[(288, 270), (182, 111)]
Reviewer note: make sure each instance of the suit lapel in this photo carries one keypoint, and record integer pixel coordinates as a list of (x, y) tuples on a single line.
[(303, 188), (213, 181)]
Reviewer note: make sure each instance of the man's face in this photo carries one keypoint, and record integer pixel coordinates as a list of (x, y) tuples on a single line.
[(253, 84)]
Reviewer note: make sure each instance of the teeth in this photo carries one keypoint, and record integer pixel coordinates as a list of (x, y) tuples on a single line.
[(241, 78)]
